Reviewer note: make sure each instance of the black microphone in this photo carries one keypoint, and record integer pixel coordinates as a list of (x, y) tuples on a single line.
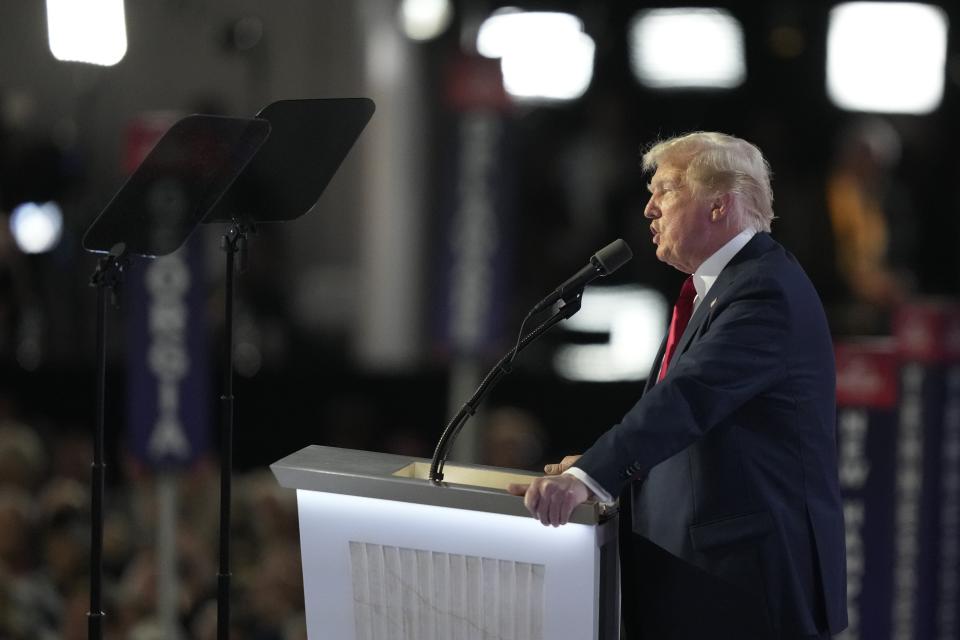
[(602, 263)]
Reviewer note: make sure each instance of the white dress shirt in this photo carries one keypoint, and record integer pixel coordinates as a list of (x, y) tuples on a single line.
[(703, 279)]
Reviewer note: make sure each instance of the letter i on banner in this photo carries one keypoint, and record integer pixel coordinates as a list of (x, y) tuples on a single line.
[(867, 431), (167, 356), (928, 337)]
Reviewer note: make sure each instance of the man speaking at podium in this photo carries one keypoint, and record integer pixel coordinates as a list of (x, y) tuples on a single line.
[(726, 467)]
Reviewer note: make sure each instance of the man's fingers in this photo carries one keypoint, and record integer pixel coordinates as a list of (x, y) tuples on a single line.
[(543, 512), (532, 498), (549, 507), (517, 489), (555, 469), (555, 513), (569, 503), (546, 499)]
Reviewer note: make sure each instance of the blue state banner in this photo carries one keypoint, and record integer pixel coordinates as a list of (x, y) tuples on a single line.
[(168, 386), (928, 473), (867, 402)]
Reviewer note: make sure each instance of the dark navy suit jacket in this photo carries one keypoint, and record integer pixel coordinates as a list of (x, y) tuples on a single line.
[(731, 459)]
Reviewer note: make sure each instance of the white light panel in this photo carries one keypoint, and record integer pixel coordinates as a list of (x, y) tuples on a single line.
[(507, 29), (634, 317), (543, 55), (886, 57), (92, 31), (687, 48)]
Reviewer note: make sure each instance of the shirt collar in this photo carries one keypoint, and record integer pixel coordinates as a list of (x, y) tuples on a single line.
[(707, 273)]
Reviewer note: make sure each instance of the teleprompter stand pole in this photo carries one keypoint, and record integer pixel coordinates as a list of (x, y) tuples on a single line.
[(108, 275), (234, 241)]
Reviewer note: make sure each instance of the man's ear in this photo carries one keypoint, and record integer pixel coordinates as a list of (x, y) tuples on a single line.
[(721, 207)]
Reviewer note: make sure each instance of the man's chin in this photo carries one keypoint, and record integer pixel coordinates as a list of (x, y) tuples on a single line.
[(670, 259)]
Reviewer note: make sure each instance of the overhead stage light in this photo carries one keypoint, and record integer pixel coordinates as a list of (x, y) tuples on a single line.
[(886, 57), (92, 31), (687, 48), (543, 55), (507, 29), (425, 19), (36, 228)]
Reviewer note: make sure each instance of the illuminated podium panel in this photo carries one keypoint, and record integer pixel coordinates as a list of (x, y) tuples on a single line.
[(389, 556)]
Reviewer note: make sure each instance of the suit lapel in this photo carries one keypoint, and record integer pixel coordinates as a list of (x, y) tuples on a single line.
[(757, 246)]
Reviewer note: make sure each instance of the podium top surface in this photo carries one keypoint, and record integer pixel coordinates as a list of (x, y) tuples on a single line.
[(406, 479)]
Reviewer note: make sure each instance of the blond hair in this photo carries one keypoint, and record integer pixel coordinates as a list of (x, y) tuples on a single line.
[(717, 163)]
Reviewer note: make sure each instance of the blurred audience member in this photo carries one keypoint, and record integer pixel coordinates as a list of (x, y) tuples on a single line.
[(23, 460), (71, 453), (859, 204), (513, 439), (26, 608)]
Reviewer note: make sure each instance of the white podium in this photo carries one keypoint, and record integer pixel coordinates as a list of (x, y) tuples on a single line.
[(389, 556)]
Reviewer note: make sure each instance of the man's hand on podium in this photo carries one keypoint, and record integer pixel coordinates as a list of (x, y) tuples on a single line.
[(552, 499)]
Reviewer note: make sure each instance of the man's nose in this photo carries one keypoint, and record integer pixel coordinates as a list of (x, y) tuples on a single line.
[(651, 210)]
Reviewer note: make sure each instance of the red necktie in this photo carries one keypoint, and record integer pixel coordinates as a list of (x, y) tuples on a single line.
[(682, 311)]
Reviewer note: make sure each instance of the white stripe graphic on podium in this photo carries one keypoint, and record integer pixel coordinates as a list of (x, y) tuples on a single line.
[(407, 594)]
